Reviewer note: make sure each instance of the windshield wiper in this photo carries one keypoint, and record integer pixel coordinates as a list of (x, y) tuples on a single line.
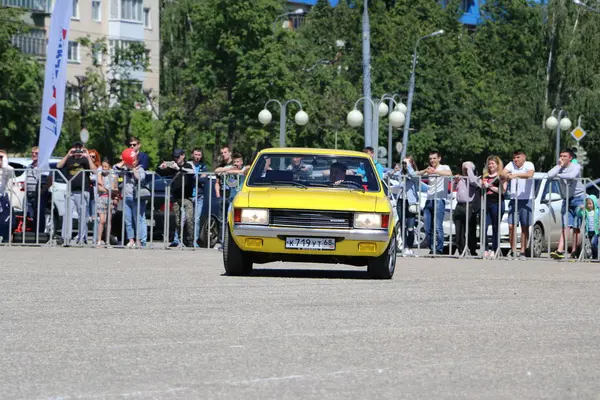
[(281, 183), (350, 183)]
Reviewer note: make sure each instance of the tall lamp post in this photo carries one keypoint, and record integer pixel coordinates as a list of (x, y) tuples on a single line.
[(366, 58), (411, 90), (553, 123), (265, 117), (81, 80)]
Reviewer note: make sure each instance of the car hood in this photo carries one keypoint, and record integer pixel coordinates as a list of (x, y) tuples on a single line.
[(313, 199)]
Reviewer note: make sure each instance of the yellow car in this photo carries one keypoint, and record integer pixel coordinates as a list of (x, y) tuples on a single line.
[(311, 205)]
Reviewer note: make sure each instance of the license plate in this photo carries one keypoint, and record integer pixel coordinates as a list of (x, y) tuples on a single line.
[(306, 243)]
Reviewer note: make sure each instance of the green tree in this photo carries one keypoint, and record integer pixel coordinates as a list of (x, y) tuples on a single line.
[(20, 87), (109, 102)]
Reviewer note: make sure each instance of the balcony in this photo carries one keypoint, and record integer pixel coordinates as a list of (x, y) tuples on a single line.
[(33, 43), (36, 6)]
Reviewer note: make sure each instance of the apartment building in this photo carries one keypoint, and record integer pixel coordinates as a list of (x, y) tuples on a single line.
[(119, 22)]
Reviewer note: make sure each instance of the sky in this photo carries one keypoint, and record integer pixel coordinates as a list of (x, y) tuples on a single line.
[(313, 2)]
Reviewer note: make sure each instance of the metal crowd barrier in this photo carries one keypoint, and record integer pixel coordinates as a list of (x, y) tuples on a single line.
[(548, 193), (55, 200), (547, 200)]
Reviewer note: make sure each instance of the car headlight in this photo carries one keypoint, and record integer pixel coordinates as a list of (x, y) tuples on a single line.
[(251, 216), (371, 220)]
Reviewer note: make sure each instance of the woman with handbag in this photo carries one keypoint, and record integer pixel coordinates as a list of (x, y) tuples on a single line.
[(407, 203), (135, 220)]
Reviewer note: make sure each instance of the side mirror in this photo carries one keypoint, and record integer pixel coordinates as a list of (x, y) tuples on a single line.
[(551, 197)]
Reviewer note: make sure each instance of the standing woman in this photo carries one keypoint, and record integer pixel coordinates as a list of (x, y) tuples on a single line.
[(132, 174), (407, 203), (93, 213), (107, 186), (494, 205)]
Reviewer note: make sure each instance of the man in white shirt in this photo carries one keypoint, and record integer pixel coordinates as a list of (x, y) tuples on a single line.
[(519, 173), (435, 206)]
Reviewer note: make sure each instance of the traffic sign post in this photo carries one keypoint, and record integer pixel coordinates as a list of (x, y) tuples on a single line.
[(578, 133)]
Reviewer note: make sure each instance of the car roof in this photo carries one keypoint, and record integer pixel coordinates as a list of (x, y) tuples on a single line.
[(312, 151)]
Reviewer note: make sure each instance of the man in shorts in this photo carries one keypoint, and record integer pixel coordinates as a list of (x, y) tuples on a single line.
[(568, 172), (519, 173)]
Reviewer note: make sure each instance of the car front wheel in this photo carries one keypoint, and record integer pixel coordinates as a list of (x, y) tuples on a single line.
[(236, 262), (383, 267)]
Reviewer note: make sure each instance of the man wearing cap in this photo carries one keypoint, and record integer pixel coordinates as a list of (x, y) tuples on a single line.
[(182, 188), (75, 166)]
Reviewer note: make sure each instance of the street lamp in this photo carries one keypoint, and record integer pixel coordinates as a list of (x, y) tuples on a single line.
[(298, 12), (265, 117), (553, 123), (582, 4), (411, 90), (379, 109), (402, 109)]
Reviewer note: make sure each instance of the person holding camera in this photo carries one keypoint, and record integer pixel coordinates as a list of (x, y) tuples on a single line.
[(75, 166), (407, 203)]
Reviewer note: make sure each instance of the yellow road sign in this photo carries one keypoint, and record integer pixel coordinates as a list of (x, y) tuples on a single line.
[(578, 133)]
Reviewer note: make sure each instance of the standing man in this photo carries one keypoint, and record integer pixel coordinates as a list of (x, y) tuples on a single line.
[(522, 191), (75, 167), (225, 167), (143, 159), (573, 188), (197, 194), (182, 187), (36, 189), (435, 206)]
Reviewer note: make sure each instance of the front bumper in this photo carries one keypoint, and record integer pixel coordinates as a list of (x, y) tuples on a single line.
[(349, 242)]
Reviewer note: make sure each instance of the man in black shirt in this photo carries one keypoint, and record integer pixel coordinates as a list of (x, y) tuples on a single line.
[(76, 166)]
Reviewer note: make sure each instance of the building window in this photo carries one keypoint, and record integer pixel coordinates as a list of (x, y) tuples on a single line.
[(96, 11), (147, 24), (72, 96), (73, 52), (132, 10), (75, 9), (124, 45), (97, 54)]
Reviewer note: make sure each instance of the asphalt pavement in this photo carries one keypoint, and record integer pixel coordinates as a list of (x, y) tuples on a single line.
[(109, 324)]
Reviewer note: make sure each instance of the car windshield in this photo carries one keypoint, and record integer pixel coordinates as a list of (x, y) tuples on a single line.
[(308, 170)]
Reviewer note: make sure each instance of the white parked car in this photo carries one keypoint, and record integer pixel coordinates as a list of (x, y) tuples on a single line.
[(546, 226), (58, 190)]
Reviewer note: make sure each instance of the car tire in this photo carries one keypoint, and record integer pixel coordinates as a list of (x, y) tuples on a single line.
[(538, 240), (235, 261), (215, 233), (383, 267)]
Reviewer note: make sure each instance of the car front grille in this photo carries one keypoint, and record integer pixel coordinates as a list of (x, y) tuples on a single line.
[(311, 219)]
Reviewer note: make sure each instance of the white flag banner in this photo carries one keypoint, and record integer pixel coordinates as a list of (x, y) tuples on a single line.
[(55, 80)]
